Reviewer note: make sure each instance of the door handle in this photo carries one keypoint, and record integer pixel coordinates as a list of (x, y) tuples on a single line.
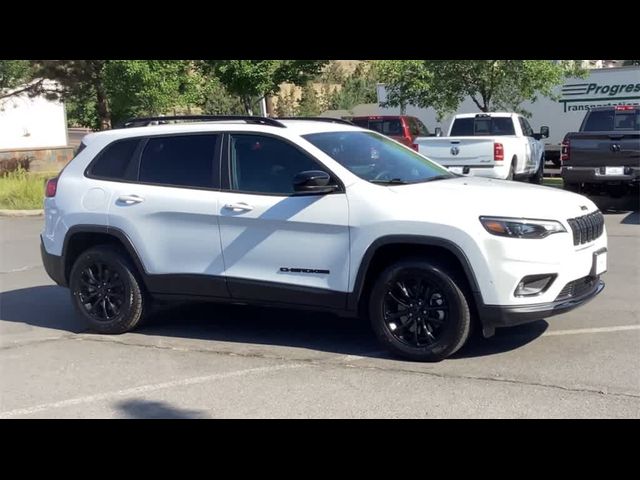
[(240, 206), (130, 199)]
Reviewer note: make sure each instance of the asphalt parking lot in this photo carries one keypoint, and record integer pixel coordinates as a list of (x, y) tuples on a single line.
[(207, 361)]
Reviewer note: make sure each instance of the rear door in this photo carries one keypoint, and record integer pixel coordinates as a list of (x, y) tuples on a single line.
[(169, 210)]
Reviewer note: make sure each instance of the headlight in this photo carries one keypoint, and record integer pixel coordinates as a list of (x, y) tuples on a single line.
[(521, 227)]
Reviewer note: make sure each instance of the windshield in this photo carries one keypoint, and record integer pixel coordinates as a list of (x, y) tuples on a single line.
[(376, 158)]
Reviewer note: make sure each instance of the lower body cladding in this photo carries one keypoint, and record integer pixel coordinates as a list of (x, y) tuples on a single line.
[(572, 280)]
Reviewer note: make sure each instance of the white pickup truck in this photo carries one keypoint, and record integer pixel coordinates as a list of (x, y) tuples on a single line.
[(496, 145)]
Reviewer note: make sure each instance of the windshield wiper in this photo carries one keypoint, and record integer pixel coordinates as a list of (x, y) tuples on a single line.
[(437, 177), (393, 181)]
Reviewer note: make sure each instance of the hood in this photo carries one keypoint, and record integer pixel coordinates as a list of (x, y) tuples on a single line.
[(492, 197)]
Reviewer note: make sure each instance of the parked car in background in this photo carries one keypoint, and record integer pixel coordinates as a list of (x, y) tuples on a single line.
[(605, 154), (495, 145), (403, 128)]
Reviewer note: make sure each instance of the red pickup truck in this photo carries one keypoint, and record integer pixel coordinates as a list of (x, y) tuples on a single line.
[(402, 128)]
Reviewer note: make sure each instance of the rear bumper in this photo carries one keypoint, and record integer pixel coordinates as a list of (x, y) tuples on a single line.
[(597, 175), (53, 265), (505, 316)]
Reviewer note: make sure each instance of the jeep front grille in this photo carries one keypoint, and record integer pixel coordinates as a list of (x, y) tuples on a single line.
[(587, 228)]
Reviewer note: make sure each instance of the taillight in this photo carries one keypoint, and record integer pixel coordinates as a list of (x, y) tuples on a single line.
[(415, 147), (564, 152), (498, 152), (51, 188)]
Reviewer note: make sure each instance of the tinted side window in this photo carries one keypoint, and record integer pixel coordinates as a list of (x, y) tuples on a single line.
[(182, 161), (262, 164), (387, 127), (360, 122), (526, 128), (413, 127), (424, 131), (599, 121), (113, 161)]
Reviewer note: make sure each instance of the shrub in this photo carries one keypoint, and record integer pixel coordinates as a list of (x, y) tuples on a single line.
[(22, 190), (8, 165)]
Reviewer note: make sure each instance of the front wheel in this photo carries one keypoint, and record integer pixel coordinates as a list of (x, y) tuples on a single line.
[(105, 291), (418, 310)]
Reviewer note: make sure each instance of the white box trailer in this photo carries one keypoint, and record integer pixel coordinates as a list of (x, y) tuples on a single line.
[(605, 86)]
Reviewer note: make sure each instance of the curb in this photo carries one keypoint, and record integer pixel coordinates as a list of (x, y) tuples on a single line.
[(21, 213)]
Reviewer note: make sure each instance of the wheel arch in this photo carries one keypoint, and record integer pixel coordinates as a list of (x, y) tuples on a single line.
[(79, 238), (390, 248)]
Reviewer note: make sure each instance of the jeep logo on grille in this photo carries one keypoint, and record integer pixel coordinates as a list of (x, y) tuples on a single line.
[(455, 151)]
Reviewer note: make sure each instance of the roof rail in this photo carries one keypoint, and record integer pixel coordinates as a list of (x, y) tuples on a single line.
[(319, 119), (145, 121)]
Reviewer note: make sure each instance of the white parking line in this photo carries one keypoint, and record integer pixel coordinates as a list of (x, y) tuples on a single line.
[(352, 358), (578, 331), (144, 389)]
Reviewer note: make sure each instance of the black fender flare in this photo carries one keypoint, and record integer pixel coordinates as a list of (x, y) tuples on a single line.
[(353, 299)]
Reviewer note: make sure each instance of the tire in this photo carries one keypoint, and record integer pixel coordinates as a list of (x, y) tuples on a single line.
[(122, 305), (512, 168), (537, 177), (429, 337)]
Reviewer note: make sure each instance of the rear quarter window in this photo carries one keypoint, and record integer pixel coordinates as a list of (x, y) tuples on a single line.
[(112, 162)]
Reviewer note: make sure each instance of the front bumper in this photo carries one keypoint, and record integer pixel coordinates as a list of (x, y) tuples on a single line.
[(53, 265), (505, 316)]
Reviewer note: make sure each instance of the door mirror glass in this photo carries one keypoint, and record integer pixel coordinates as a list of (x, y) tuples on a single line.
[(544, 131), (312, 181)]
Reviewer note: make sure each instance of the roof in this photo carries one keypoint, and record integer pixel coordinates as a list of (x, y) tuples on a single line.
[(491, 114), (293, 127)]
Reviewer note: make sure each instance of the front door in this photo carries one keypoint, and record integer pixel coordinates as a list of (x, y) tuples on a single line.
[(277, 246)]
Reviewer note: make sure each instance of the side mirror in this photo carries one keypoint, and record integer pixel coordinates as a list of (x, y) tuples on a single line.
[(544, 131), (438, 132), (313, 181)]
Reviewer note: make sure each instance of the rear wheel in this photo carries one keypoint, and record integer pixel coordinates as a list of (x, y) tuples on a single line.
[(105, 291), (537, 177), (512, 169), (418, 310)]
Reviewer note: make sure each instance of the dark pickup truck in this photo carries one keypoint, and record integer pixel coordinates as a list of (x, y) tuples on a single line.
[(604, 156)]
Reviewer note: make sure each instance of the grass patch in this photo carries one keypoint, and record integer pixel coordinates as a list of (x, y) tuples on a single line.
[(553, 182), (21, 190)]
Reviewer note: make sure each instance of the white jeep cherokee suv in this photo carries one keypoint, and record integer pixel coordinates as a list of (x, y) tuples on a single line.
[(315, 214)]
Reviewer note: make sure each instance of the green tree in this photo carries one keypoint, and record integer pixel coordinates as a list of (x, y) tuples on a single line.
[(255, 79), (357, 88), (309, 105), (16, 77), (287, 104), (491, 84), (216, 100), (102, 92)]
